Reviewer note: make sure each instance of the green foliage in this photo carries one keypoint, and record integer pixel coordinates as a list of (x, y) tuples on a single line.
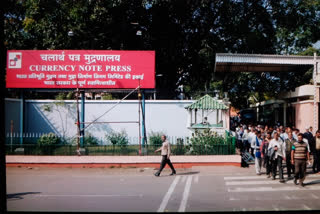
[(107, 96), (155, 139), (47, 143), (47, 108), (90, 140), (49, 139), (118, 138), (206, 141), (184, 34)]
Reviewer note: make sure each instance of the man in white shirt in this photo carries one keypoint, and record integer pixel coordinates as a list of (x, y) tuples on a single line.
[(251, 138), (280, 154), (256, 146), (165, 153)]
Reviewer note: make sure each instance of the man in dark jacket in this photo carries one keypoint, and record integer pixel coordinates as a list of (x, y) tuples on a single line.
[(312, 144)]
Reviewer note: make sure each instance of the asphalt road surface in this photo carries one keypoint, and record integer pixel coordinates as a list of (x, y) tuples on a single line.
[(137, 190)]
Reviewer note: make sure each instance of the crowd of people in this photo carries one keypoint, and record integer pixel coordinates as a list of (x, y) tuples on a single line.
[(271, 146)]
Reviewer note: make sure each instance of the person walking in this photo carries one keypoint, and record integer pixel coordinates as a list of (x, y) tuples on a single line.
[(316, 154), (165, 152), (245, 141), (252, 139), (264, 154), (289, 143), (257, 153), (280, 154), (299, 156)]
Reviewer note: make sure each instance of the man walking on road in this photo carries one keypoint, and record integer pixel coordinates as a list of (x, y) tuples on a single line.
[(316, 154), (257, 153), (280, 154), (165, 152), (299, 156), (289, 143)]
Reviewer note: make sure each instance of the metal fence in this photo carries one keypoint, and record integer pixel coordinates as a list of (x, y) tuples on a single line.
[(179, 146)]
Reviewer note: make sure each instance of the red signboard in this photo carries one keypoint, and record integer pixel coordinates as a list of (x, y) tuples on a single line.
[(80, 68)]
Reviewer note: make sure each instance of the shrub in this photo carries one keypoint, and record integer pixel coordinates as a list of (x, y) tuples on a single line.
[(49, 139), (90, 140), (47, 143), (155, 139), (118, 138), (205, 142)]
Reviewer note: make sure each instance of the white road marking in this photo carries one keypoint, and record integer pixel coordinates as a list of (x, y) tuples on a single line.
[(186, 192), (275, 208), (314, 196), (271, 189), (184, 179), (306, 207), (234, 199), (262, 177), (234, 183), (196, 179), (244, 178), (168, 194)]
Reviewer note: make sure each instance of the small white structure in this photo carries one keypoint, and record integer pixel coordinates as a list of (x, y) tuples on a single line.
[(209, 113)]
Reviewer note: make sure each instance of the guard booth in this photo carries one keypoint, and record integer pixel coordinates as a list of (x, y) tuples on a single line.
[(209, 113)]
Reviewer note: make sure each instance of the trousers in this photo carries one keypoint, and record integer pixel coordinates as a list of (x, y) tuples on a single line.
[(267, 164), (165, 160), (300, 169), (290, 167), (277, 162)]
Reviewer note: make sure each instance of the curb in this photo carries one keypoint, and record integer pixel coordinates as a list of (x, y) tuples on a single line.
[(116, 165)]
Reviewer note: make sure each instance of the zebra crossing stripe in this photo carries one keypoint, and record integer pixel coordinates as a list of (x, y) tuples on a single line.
[(267, 182), (272, 189), (256, 177)]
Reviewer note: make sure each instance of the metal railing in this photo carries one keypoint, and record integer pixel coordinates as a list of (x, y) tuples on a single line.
[(179, 146)]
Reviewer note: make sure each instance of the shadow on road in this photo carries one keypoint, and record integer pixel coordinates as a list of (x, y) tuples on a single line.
[(19, 196), (188, 173), (183, 173), (312, 183)]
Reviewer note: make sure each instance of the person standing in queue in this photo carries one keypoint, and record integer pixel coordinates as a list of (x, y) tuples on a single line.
[(299, 157), (165, 152)]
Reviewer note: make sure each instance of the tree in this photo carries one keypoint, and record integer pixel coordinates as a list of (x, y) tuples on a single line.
[(185, 35)]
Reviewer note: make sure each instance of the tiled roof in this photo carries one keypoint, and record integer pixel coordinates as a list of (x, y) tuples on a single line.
[(207, 103)]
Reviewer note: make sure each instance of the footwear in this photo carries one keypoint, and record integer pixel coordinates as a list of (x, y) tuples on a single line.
[(157, 174), (273, 178), (269, 176), (281, 181), (302, 184), (295, 181), (259, 173), (173, 173)]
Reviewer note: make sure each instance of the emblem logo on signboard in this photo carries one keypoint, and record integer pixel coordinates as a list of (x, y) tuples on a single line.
[(15, 59)]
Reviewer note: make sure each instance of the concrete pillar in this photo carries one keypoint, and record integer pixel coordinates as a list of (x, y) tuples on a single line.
[(217, 116), (315, 96), (189, 120), (285, 105)]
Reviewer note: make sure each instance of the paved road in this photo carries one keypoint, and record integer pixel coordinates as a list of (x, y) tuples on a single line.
[(135, 190)]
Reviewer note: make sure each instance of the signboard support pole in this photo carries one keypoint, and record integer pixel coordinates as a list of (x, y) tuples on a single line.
[(82, 119), (21, 117), (78, 123), (139, 105), (143, 123)]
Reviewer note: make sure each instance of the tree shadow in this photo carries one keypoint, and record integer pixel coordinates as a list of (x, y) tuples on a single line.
[(19, 196)]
